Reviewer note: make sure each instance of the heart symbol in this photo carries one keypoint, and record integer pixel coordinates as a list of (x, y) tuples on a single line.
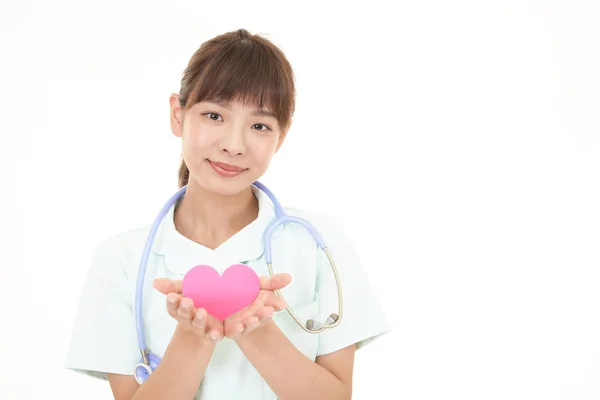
[(221, 296)]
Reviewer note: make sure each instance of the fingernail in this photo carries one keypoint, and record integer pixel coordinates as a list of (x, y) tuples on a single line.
[(214, 335), (185, 305), (171, 299)]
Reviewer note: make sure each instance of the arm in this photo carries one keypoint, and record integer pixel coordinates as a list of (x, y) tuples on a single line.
[(178, 376), (181, 370), (292, 375)]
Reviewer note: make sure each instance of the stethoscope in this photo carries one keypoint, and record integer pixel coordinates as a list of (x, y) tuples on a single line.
[(150, 361)]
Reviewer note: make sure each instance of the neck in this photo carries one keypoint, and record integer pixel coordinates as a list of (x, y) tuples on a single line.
[(210, 219)]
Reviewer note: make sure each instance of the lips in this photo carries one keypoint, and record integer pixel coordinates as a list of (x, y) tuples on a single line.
[(225, 170), (226, 167)]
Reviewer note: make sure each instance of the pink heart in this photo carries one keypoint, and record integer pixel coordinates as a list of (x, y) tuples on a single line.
[(221, 296)]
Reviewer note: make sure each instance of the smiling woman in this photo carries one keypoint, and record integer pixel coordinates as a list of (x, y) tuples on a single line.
[(232, 114), (251, 72), (234, 139)]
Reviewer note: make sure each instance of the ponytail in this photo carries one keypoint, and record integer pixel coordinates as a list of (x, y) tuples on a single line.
[(184, 174)]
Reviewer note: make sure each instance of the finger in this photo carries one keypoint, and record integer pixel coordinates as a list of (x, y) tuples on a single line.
[(215, 325), (233, 328), (166, 285), (214, 335), (277, 302), (199, 324), (265, 313), (259, 302), (214, 331), (275, 282), (173, 304), (250, 322), (186, 312)]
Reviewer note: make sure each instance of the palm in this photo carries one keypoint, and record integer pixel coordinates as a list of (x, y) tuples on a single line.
[(261, 309), (246, 320), (182, 309)]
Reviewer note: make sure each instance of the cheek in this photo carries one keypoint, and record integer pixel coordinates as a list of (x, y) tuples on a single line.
[(198, 139), (263, 153)]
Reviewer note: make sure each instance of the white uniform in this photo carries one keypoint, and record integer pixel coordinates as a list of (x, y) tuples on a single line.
[(105, 340)]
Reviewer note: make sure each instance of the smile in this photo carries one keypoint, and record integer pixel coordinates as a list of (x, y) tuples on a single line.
[(226, 170)]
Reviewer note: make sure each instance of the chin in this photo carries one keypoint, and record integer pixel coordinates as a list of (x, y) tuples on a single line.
[(225, 186)]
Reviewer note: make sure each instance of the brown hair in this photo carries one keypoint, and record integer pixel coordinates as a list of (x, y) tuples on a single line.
[(239, 66)]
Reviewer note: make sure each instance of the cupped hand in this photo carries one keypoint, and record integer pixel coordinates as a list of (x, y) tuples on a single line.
[(257, 314), (189, 318)]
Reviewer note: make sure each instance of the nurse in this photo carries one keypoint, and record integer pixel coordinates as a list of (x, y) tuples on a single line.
[(232, 113)]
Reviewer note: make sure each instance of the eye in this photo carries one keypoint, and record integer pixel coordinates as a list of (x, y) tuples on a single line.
[(261, 127), (213, 116)]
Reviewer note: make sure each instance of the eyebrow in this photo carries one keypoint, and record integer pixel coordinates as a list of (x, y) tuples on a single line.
[(263, 113), (255, 113)]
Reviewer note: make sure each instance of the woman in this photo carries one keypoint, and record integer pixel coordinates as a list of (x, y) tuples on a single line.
[(232, 113)]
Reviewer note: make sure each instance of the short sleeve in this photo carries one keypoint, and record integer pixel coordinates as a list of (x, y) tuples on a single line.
[(362, 318), (104, 338)]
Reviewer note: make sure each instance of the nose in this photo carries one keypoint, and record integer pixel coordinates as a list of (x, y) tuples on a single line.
[(232, 142)]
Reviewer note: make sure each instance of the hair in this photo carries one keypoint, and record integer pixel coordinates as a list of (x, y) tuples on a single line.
[(239, 66)]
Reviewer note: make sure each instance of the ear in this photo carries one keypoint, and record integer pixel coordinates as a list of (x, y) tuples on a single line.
[(176, 115)]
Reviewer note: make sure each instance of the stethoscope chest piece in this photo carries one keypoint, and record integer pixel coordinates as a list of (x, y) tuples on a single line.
[(146, 366)]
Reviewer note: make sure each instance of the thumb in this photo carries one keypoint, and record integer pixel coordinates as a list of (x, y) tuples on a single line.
[(166, 285), (275, 282)]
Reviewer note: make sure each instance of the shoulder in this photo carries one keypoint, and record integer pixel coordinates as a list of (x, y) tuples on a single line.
[(125, 240), (121, 250), (321, 221), (330, 228)]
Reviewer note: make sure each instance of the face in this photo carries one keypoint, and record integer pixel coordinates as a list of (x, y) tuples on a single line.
[(226, 146)]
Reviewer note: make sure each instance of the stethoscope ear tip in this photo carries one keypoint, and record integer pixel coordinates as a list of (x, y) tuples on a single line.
[(313, 325)]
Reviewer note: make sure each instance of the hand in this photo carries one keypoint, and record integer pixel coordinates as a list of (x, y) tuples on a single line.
[(257, 314), (196, 321)]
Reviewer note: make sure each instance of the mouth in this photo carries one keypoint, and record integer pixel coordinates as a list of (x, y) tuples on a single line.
[(226, 170)]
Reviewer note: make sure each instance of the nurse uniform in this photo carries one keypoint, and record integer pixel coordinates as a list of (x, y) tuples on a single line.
[(104, 338)]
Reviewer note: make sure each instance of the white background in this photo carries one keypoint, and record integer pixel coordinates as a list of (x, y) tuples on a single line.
[(463, 143)]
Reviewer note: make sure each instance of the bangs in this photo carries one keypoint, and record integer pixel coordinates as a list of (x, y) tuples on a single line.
[(251, 73)]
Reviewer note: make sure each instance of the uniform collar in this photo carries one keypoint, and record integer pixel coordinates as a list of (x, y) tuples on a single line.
[(181, 253)]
